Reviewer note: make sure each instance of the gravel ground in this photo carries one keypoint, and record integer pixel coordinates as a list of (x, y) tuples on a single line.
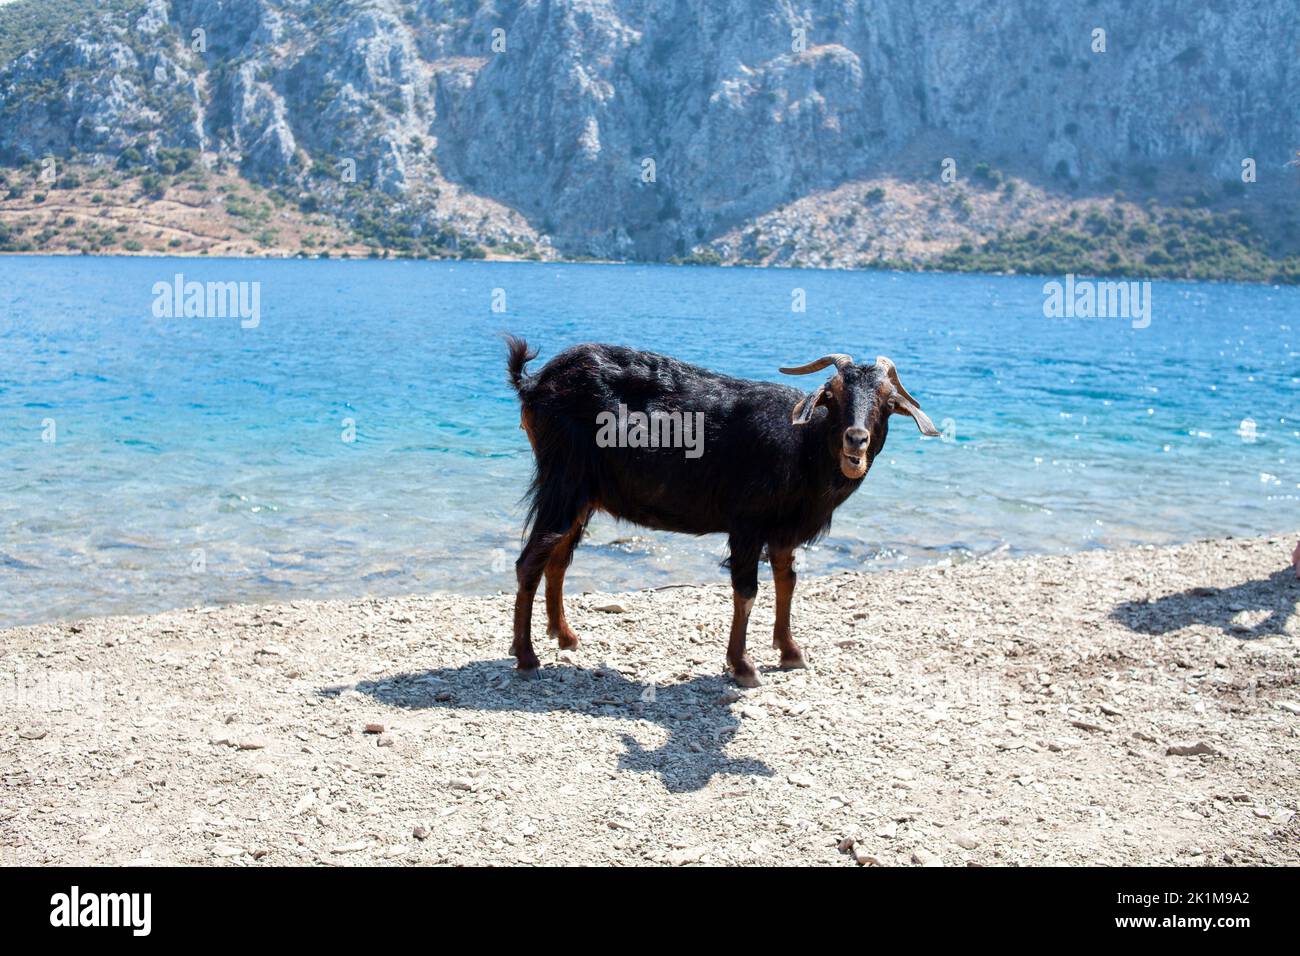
[(1123, 707)]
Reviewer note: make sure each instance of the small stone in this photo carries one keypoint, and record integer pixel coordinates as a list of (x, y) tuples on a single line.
[(925, 858), (32, 733), (684, 856), (863, 858), (252, 743), (350, 847), (385, 740), (1289, 706), (612, 609), (1190, 750), (965, 840), (374, 728), (462, 783), (800, 779), (226, 851), (420, 833)]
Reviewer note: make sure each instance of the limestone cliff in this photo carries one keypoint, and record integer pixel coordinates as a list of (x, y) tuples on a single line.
[(644, 128)]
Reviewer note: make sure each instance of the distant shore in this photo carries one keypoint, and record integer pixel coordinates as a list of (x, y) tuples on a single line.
[(880, 224), (560, 260), (1136, 706)]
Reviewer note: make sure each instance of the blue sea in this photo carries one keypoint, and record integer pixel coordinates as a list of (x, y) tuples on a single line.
[(362, 439)]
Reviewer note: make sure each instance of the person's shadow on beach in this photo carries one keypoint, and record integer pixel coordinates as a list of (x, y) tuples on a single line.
[(698, 721), (1276, 594)]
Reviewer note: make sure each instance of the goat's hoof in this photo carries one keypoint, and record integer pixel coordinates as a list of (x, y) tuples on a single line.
[(567, 641), (528, 673), (793, 662), (745, 675)]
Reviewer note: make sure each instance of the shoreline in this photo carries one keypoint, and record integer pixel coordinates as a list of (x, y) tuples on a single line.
[(896, 268), (1134, 706), (1003, 552)]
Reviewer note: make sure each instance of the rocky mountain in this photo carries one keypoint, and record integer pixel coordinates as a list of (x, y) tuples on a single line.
[(654, 128)]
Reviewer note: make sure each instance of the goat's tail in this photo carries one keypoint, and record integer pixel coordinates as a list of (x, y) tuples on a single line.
[(519, 355)]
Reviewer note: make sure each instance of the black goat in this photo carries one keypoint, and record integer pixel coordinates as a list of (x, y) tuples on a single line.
[(775, 466)]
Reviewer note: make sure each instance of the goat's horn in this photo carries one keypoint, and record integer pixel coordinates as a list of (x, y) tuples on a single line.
[(886, 366), (837, 358)]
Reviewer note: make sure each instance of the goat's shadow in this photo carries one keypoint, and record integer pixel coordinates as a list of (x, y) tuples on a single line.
[(697, 719), (1218, 607)]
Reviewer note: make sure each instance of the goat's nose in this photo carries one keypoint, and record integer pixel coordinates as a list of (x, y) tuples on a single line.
[(857, 438)]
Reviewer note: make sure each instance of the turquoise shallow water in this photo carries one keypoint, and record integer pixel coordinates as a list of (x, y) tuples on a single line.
[(195, 461)]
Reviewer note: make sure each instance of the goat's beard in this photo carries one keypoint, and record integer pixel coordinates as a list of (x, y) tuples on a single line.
[(851, 470)]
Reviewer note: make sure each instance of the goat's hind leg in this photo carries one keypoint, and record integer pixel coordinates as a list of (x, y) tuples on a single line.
[(557, 624), (549, 532), (528, 572)]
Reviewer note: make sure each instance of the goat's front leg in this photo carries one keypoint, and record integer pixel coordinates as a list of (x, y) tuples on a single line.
[(744, 584), (784, 576)]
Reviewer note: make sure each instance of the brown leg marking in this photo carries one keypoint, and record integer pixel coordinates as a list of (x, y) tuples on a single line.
[(542, 549), (784, 576), (557, 625), (522, 646), (528, 571), (741, 665)]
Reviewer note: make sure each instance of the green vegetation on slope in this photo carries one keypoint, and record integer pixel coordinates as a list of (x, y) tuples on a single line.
[(36, 24), (1162, 243), (97, 209)]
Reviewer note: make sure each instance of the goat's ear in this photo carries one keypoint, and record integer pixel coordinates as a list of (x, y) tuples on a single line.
[(905, 406), (803, 411)]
